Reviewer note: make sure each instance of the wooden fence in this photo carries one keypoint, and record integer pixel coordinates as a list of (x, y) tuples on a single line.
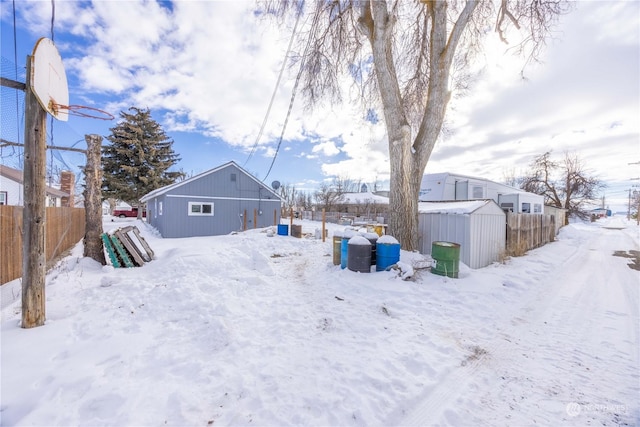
[(64, 227), (529, 231)]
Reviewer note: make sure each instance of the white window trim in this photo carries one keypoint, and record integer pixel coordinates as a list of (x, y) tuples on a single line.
[(191, 213)]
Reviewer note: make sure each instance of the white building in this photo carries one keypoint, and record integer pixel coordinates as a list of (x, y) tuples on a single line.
[(12, 189), (437, 187)]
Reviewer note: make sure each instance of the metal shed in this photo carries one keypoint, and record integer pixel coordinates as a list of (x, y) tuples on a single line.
[(216, 202), (478, 226)]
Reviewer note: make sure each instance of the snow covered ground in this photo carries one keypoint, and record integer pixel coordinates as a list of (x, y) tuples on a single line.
[(247, 329)]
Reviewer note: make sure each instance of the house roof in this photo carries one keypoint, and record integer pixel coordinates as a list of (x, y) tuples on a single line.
[(443, 176), (16, 175), (366, 197), (166, 188), (454, 207)]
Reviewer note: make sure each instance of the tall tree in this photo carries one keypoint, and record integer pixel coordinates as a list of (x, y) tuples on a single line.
[(566, 184), (288, 193), (139, 158), (93, 201), (402, 54)]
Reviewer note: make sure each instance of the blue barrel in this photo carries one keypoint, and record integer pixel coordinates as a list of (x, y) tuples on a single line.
[(387, 252), (283, 229), (346, 235)]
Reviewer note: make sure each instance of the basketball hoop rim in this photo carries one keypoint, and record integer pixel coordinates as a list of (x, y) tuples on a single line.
[(79, 110)]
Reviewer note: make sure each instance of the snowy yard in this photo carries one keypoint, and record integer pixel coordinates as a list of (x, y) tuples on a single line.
[(248, 329)]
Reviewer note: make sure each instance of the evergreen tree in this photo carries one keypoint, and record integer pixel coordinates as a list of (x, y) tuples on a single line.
[(138, 159)]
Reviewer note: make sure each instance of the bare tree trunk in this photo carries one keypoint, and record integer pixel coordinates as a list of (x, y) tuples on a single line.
[(112, 204), (34, 213), (93, 201)]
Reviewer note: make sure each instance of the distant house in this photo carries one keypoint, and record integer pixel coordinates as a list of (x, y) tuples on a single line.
[(478, 226), (213, 203), (12, 190), (438, 187), (364, 204)]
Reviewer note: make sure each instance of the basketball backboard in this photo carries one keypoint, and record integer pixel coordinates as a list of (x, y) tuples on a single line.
[(48, 79)]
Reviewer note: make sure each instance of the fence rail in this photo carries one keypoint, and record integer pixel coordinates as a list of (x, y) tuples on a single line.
[(529, 231), (64, 227)]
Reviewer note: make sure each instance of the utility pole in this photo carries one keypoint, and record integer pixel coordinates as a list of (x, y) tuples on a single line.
[(34, 212)]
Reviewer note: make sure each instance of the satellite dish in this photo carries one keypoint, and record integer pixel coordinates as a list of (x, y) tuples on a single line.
[(275, 185)]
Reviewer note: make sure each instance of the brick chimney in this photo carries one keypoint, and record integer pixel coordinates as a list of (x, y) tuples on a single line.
[(67, 184)]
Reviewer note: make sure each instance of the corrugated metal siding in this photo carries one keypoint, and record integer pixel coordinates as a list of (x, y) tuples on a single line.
[(480, 234), (231, 198), (487, 239), (437, 227)]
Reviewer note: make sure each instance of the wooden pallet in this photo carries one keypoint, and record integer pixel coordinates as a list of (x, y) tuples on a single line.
[(122, 253), (127, 248), (139, 244), (144, 244), (130, 246), (110, 250)]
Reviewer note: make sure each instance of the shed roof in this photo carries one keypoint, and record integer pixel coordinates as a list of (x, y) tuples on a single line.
[(166, 188), (455, 207)]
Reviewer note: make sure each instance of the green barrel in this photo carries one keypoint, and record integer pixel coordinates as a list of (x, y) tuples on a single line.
[(337, 248), (447, 259)]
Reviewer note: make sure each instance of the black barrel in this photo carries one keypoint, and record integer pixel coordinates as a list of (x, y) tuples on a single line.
[(372, 238), (359, 254)]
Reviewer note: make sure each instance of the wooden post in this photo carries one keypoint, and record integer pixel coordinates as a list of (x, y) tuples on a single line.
[(255, 218), (290, 218), (244, 221), (275, 217), (33, 217), (324, 233), (93, 200)]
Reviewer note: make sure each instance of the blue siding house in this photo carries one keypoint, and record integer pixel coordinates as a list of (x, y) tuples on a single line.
[(213, 203)]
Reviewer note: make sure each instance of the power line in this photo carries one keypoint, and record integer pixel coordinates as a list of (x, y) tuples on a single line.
[(293, 92), (275, 90)]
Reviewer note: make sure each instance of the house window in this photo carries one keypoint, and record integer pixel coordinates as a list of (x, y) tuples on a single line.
[(233, 177), (160, 208), (537, 208), (200, 209), (3, 198), (507, 207), (477, 192), (526, 207)]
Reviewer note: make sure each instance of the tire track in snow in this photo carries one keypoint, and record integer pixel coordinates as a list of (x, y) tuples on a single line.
[(562, 314)]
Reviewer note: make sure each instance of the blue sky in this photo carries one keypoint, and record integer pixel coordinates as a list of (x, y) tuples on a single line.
[(207, 70)]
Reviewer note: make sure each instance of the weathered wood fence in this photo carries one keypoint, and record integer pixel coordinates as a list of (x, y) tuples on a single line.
[(529, 231), (64, 227)]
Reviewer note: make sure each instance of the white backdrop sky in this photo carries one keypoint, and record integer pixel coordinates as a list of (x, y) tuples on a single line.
[(207, 70)]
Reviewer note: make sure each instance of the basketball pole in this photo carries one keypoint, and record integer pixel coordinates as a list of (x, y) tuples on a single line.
[(34, 212)]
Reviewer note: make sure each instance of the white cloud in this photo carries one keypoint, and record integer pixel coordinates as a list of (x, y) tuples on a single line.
[(210, 67), (327, 148)]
